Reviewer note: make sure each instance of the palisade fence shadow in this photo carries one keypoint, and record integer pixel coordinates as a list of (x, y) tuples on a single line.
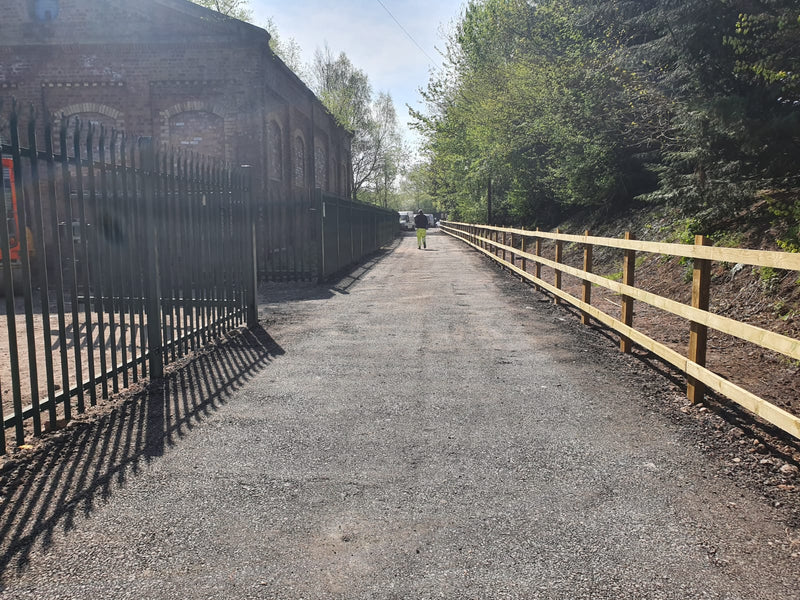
[(84, 466), (118, 258)]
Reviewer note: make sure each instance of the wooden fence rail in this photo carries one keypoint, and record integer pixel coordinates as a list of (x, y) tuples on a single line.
[(498, 244)]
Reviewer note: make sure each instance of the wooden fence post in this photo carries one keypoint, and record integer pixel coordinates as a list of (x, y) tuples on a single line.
[(523, 261), (538, 267), (559, 253), (628, 278), (698, 335), (587, 285)]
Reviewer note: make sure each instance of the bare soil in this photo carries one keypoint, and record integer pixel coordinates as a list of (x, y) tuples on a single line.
[(764, 298)]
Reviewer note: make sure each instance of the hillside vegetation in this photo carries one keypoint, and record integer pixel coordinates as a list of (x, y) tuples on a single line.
[(554, 106)]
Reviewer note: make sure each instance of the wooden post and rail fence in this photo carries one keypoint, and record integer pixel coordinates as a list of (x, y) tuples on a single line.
[(516, 258)]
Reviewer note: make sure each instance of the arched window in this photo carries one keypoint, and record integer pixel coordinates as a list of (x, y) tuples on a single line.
[(89, 114), (299, 162), (198, 131), (321, 167), (275, 152)]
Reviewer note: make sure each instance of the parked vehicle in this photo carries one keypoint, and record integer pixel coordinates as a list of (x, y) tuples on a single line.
[(431, 221), (12, 222), (406, 220)]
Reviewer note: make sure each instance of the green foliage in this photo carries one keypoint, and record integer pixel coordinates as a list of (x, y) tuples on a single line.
[(287, 49), (786, 311), (567, 103), (237, 9), (377, 150), (728, 239), (770, 278), (787, 211), (686, 230)]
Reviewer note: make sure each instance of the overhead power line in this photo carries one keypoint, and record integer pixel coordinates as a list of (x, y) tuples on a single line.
[(408, 35)]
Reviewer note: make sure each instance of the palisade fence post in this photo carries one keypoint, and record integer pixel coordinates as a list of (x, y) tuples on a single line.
[(153, 278), (319, 206), (628, 278), (11, 320), (251, 275), (698, 335), (587, 285), (41, 269), (25, 271)]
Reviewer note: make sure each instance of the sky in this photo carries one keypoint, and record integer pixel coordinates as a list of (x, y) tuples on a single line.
[(371, 39)]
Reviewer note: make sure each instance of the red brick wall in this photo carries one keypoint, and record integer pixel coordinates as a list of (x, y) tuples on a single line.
[(167, 69)]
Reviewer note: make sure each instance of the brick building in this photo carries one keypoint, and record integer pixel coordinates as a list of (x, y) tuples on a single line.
[(185, 75)]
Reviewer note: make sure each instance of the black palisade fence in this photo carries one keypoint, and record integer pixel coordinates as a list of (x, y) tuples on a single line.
[(117, 258), (348, 230)]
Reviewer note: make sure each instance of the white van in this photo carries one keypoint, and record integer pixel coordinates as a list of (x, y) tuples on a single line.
[(406, 220)]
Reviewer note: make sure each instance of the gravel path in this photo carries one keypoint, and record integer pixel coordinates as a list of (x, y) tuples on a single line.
[(428, 428)]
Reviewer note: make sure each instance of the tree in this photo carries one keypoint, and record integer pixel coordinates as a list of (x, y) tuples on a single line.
[(525, 102), (565, 103), (288, 50), (724, 70), (237, 9), (376, 149), (388, 148), (414, 190)]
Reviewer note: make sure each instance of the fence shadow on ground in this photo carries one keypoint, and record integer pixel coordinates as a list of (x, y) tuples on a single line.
[(344, 281), (84, 463), (341, 282)]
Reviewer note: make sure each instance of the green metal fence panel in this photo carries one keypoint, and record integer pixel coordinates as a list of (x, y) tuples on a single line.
[(350, 231)]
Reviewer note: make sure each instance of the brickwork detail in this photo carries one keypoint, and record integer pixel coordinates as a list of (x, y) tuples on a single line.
[(198, 131), (171, 70)]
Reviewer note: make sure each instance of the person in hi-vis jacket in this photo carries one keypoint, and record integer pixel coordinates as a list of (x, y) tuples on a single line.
[(421, 223)]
